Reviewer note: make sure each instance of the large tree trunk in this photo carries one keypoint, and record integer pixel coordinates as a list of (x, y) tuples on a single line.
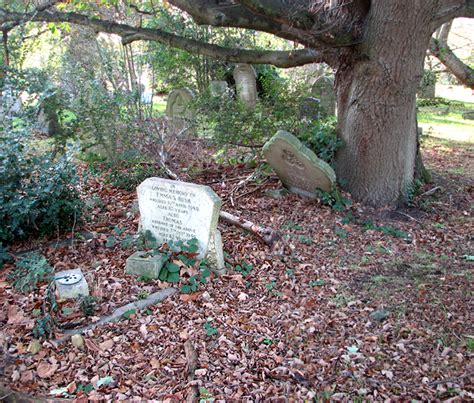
[(376, 94)]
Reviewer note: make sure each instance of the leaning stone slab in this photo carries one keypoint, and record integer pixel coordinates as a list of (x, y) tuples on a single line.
[(178, 211), (144, 265), (71, 284), (299, 169), (215, 255), (178, 102)]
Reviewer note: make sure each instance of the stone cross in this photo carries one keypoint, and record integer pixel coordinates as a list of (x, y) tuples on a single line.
[(323, 89), (299, 169), (173, 210), (246, 83)]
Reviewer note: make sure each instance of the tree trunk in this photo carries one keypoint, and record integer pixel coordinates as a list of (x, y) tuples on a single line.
[(376, 94)]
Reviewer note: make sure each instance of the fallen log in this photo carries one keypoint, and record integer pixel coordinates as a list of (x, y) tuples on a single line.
[(266, 235), (191, 360)]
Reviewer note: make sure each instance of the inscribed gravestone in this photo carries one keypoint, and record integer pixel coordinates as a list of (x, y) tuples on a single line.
[(246, 83), (309, 108), (299, 169), (218, 88), (178, 105), (323, 89), (173, 210)]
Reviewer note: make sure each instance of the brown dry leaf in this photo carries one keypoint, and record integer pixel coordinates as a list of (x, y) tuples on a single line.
[(45, 369), (189, 297), (106, 345), (155, 364), (15, 315), (71, 388), (26, 376), (92, 346)]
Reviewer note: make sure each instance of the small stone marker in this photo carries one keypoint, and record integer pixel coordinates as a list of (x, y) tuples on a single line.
[(246, 83), (145, 265), (218, 88), (323, 89), (71, 284), (215, 255), (299, 169), (173, 210), (178, 107)]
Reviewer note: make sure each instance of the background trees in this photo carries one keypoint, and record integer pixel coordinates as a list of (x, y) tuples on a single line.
[(376, 48)]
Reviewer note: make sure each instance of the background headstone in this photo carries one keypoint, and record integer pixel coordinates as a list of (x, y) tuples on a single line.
[(246, 84), (178, 107), (299, 169), (309, 108), (323, 89), (218, 88), (173, 210)]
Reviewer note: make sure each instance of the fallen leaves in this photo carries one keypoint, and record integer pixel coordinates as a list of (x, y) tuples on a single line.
[(46, 369)]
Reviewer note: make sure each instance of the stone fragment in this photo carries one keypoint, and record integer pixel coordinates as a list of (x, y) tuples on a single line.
[(379, 315), (299, 169), (178, 211), (77, 341), (145, 265), (71, 284), (215, 254)]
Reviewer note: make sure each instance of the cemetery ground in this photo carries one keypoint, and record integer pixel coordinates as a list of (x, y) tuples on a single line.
[(354, 304)]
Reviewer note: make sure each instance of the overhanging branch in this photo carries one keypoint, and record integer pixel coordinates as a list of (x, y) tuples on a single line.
[(461, 71), (129, 34)]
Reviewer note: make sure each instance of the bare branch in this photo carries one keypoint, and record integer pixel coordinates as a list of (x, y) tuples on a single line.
[(453, 9), (441, 50), (312, 23), (129, 34)]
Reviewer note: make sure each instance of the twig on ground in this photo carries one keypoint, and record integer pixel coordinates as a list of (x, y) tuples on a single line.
[(431, 191), (192, 362)]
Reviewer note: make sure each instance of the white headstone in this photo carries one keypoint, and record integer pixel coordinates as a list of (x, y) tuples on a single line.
[(246, 83), (173, 211)]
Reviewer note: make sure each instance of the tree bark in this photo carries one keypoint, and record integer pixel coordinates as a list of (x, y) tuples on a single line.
[(376, 94)]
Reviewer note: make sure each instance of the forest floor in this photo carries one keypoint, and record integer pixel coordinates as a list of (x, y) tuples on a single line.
[(363, 304)]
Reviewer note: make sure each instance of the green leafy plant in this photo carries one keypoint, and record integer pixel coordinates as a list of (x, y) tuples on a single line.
[(333, 199), (244, 268), (128, 314), (44, 327), (88, 305), (30, 270), (321, 137), (209, 329)]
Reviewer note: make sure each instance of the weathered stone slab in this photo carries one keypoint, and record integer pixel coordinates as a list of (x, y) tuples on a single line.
[(71, 284), (179, 110), (215, 255), (299, 169), (246, 83), (145, 265), (323, 89), (173, 210)]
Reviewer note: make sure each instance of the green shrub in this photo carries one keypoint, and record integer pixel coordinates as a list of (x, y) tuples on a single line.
[(30, 270), (321, 137), (37, 193)]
